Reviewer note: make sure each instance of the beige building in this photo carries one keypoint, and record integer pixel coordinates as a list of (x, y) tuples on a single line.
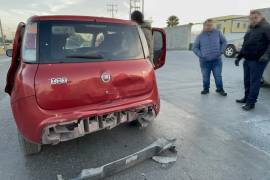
[(232, 23)]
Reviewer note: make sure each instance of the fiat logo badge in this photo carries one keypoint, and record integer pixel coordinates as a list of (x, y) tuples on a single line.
[(105, 77)]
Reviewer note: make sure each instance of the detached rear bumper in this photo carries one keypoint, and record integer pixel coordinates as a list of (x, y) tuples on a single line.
[(51, 127)]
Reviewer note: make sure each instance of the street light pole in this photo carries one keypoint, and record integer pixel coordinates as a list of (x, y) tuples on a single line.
[(3, 36)]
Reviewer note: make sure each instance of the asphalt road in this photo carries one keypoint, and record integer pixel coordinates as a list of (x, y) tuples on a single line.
[(216, 140)]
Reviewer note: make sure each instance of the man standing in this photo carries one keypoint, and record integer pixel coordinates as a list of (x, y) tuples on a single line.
[(138, 17), (209, 47), (256, 52)]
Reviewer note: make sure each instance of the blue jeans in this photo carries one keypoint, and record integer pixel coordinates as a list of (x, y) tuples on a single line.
[(215, 67), (253, 72)]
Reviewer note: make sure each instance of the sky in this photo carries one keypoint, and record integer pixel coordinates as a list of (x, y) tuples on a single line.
[(14, 11)]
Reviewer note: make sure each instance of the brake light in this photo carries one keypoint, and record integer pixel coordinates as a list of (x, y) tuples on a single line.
[(29, 46)]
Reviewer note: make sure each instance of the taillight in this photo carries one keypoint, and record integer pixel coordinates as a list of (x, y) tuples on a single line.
[(29, 46)]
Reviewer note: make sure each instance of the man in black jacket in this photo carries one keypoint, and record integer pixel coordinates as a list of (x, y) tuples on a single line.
[(256, 52)]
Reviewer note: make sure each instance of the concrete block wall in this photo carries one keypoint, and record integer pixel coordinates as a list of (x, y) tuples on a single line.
[(179, 38)]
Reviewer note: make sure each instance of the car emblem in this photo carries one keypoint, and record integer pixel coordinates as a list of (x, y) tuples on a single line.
[(58, 80), (105, 77)]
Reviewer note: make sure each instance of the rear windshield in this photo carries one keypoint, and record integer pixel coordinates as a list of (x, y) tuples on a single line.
[(67, 41)]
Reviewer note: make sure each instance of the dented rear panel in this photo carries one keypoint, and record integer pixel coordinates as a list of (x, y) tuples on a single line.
[(82, 85)]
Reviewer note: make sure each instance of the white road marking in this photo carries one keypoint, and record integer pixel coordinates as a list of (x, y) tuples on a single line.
[(256, 148)]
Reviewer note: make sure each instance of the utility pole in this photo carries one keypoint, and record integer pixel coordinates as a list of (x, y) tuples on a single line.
[(3, 36), (112, 9), (136, 5), (143, 6)]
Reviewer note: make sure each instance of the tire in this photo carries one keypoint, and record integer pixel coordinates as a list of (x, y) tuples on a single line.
[(134, 123), (27, 147), (230, 51)]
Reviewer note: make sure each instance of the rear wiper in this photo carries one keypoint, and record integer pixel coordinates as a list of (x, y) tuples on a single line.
[(86, 56)]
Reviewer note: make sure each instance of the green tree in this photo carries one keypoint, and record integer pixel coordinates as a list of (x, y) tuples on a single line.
[(172, 21)]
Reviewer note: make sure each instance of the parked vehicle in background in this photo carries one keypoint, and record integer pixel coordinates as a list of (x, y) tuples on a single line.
[(75, 75), (266, 76), (233, 48)]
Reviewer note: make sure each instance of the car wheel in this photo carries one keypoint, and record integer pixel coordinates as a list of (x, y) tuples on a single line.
[(27, 147), (230, 51)]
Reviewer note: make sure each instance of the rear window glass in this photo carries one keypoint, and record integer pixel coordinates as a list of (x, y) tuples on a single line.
[(67, 41)]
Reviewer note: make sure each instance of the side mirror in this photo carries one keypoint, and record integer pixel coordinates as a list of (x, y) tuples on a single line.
[(159, 47), (9, 52)]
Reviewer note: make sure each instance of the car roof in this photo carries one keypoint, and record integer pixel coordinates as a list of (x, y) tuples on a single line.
[(80, 18)]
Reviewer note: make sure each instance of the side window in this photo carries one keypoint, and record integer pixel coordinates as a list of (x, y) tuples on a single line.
[(158, 45), (29, 47), (144, 43)]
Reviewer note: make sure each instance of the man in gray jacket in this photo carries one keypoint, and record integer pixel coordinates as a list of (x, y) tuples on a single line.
[(138, 17), (209, 46)]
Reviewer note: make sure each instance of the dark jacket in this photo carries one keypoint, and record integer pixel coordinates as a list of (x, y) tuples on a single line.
[(256, 46)]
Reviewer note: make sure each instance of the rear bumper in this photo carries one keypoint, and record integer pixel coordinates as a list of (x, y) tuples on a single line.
[(60, 132), (35, 123)]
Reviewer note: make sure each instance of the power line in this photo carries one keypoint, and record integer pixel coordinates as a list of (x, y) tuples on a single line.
[(112, 9)]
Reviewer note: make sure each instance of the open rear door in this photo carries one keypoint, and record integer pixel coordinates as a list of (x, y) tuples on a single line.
[(16, 57), (159, 47)]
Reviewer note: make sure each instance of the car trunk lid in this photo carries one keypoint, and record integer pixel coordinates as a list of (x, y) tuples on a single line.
[(69, 85)]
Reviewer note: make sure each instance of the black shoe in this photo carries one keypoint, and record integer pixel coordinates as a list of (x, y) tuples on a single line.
[(221, 92), (248, 107), (241, 101), (205, 91)]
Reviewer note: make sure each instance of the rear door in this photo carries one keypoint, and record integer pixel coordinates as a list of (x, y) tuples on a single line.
[(91, 64), (160, 47), (16, 58)]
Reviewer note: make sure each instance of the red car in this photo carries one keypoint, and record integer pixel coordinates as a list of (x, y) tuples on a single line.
[(75, 75)]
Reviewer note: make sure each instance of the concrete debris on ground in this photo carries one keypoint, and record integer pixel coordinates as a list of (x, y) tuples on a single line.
[(165, 159)]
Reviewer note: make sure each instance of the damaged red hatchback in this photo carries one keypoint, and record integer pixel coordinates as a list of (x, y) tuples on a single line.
[(75, 75)]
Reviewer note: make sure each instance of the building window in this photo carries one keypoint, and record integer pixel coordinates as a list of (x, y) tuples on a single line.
[(244, 25), (238, 25)]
